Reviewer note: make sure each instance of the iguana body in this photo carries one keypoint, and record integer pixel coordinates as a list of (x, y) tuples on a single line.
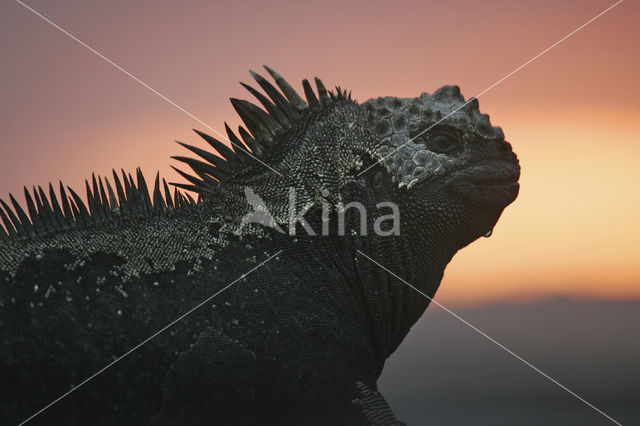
[(303, 337)]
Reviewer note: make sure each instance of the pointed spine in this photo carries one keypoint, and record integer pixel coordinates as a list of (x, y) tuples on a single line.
[(80, 210), (66, 208), (322, 91), (243, 155), (255, 146), (223, 168), (291, 95), (192, 202), (201, 168), (91, 201), (104, 201), (33, 213), (114, 206), (56, 209), (144, 192), (132, 199), (167, 195), (158, 202), (46, 211), (308, 92), (280, 101), (8, 221), (271, 108), (26, 224), (122, 198), (225, 152), (256, 120)]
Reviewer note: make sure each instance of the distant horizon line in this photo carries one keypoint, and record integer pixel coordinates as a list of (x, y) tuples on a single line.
[(515, 302)]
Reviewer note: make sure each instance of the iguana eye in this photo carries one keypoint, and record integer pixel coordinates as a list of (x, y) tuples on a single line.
[(441, 140), (442, 143)]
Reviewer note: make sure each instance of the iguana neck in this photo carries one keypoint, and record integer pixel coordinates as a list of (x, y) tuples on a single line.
[(419, 268), (383, 306)]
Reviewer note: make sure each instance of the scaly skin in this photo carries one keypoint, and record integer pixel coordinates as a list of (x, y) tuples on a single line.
[(302, 338)]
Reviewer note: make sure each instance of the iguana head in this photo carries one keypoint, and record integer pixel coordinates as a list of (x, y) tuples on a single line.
[(452, 169)]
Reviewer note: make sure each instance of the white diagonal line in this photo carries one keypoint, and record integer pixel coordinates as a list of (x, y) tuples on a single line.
[(127, 73), (495, 341), (180, 318), (495, 84)]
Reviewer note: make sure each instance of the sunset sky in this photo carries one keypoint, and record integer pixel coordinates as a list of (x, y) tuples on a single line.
[(572, 115)]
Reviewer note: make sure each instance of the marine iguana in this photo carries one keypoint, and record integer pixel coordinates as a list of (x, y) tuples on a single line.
[(298, 339)]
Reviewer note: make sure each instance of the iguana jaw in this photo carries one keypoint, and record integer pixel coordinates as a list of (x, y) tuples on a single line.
[(467, 200), (484, 191)]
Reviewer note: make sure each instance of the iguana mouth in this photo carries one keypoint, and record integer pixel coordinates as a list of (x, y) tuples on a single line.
[(496, 182), (498, 175)]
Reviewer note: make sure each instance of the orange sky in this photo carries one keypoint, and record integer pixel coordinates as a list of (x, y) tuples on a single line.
[(572, 115)]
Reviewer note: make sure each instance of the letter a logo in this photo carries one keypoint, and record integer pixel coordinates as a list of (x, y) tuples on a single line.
[(260, 213)]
